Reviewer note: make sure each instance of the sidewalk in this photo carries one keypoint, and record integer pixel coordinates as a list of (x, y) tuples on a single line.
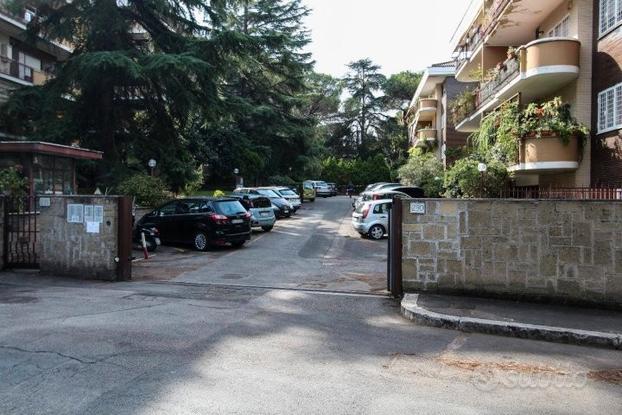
[(564, 324)]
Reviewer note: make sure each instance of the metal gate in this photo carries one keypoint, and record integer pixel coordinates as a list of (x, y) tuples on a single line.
[(394, 260), (21, 232)]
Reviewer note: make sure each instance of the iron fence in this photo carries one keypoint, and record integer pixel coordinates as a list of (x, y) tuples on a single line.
[(563, 193)]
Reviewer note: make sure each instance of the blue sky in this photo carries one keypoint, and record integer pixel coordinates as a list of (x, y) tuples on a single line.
[(396, 34)]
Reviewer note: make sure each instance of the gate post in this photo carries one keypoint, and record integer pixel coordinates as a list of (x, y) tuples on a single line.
[(124, 239), (395, 251)]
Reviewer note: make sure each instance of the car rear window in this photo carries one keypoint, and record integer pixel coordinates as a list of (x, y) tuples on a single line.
[(287, 192), (229, 207), (262, 202), (267, 193)]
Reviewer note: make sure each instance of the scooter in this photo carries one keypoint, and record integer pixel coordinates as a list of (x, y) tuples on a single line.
[(152, 238)]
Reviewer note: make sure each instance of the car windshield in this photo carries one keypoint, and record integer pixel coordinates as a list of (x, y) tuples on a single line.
[(360, 207), (229, 207), (287, 192), (322, 184), (308, 186), (267, 193)]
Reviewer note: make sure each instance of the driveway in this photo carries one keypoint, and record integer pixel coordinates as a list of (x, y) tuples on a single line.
[(296, 322)]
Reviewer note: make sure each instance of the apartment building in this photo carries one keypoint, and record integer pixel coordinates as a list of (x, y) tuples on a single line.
[(22, 62), (607, 85), (533, 51), (432, 128)]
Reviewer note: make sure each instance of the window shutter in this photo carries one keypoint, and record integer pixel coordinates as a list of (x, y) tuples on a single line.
[(618, 106)]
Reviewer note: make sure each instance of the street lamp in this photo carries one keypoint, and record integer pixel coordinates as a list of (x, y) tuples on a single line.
[(238, 182), (482, 168), (152, 165)]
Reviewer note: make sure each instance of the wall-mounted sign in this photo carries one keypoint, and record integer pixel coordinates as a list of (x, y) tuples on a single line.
[(98, 214), (45, 202), (92, 227), (417, 208), (88, 213), (75, 213)]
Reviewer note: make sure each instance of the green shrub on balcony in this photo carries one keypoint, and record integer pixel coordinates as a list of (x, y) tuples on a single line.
[(551, 119), (498, 135), (462, 106)]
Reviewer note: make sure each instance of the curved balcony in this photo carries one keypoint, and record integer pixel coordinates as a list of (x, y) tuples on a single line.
[(541, 69), (426, 110), (547, 155)]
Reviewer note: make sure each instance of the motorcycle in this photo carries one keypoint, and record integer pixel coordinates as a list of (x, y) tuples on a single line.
[(152, 238)]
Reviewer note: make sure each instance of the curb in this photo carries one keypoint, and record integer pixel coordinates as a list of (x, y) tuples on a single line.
[(413, 311)]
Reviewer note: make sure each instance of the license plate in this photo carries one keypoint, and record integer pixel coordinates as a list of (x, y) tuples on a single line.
[(265, 213), (158, 242), (237, 221)]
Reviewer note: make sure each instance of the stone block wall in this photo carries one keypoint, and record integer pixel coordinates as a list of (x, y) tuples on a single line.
[(67, 249), (569, 251)]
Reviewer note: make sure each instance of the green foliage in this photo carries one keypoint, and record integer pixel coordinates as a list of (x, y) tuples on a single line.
[(462, 106), (218, 193), (551, 118), (402, 86), (12, 183), (498, 135), (356, 171), (147, 190), (425, 171), (281, 181), (463, 179)]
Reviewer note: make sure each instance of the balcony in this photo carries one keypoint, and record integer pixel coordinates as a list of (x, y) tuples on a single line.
[(547, 155), (540, 69), (22, 74), (426, 138), (426, 109)]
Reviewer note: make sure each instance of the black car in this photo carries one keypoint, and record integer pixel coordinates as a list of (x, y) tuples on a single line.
[(282, 208), (203, 222)]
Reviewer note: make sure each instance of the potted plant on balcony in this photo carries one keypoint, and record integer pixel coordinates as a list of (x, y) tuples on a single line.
[(550, 133), (512, 53), (462, 106)]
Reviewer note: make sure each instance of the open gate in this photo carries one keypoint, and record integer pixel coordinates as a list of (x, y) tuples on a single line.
[(21, 232)]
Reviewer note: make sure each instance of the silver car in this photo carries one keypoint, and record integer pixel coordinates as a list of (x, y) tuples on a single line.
[(288, 194), (372, 218), (321, 188), (261, 210)]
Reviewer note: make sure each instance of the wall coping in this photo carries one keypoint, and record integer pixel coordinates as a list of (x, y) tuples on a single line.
[(612, 201)]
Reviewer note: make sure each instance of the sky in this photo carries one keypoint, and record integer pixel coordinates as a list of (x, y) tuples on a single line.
[(399, 35)]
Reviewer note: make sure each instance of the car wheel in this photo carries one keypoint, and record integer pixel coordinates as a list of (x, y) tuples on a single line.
[(200, 241), (267, 228), (238, 244), (376, 232), (312, 200)]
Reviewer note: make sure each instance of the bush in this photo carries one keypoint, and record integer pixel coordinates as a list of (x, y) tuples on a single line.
[(463, 179), (359, 172), (147, 191), (12, 183), (218, 193), (281, 181), (425, 171)]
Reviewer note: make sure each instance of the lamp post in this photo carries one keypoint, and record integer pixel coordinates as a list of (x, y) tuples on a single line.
[(152, 165), (236, 172), (482, 168)]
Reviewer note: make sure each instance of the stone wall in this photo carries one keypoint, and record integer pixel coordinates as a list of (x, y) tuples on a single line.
[(570, 251), (68, 249)]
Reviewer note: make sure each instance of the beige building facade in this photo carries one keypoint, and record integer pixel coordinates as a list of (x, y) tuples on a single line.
[(532, 51)]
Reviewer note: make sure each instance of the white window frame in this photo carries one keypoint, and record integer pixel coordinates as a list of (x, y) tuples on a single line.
[(609, 16), (610, 109), (564, 20)]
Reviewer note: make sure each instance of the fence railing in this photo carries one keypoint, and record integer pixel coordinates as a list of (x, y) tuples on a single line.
[(24, 72), (563, 193)]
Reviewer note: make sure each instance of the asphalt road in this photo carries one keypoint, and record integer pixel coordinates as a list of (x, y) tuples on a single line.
[(294, 323)]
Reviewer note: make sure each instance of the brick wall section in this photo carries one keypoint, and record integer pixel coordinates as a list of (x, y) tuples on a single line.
[(606, 148), (2, 232), (67, 249), (569, 251)]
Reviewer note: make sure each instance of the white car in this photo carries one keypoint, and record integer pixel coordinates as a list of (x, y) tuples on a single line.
[(288, 194), (321, 188), (372, 218)]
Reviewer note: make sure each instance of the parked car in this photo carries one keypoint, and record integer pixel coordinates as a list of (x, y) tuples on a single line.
[(371, 189), (282, 208), (321, 188), (201, 221), (372, 218), (288, 194), (308, 191), (333, 189), (260, 208)]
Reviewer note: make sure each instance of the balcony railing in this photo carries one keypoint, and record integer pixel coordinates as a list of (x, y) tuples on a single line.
[(23, 72), (508, 71)]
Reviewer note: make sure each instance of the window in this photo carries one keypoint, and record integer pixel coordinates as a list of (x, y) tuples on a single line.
[(561, 29), (610, 109), (610, 15), (169, 209)]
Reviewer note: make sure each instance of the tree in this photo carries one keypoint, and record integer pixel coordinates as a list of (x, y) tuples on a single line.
[(364, 109), (425, 171), (137, 71)]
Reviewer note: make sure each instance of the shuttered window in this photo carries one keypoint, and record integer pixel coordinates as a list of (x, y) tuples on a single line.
[(610, 15), (610, 109)]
